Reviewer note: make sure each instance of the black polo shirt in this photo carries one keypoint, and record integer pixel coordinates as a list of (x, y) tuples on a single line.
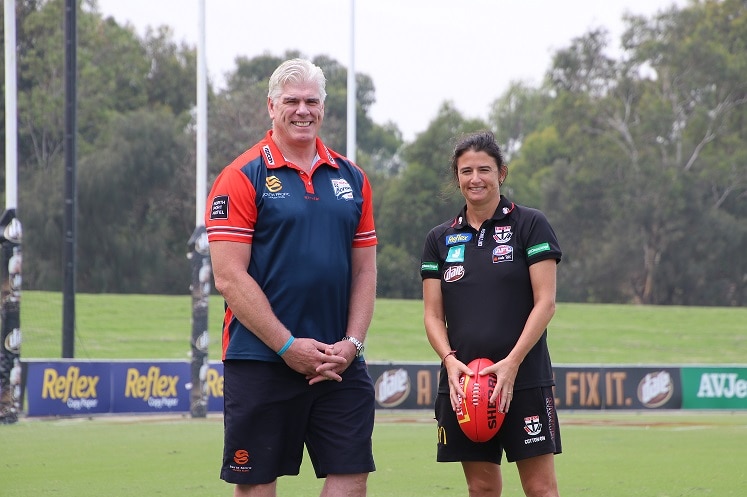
[(485, 284)]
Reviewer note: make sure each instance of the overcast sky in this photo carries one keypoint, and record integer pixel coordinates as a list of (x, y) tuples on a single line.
[(419, 53)]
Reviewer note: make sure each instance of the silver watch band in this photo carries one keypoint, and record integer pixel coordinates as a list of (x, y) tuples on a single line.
[(358, 345)]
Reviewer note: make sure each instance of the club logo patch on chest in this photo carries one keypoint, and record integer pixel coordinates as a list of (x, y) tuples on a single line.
[(502, 234), (503, 253), (342, 189), (273, 184)]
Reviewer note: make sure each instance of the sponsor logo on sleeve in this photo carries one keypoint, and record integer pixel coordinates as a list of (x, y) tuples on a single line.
[(429, 266), (219, 209), (537, 249)]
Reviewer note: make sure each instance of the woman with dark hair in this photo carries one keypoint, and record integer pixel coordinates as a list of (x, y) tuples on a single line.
[(489, 283)]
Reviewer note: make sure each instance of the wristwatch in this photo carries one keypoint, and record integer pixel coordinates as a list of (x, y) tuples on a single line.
[(358, 345)]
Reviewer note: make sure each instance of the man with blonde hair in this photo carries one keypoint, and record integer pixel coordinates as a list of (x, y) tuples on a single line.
[(293, 248)]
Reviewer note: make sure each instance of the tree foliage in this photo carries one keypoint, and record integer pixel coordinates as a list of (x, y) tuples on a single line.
[(651, 167), (135, 144), (637, 158)]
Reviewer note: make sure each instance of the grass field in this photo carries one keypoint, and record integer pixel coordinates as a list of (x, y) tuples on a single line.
[(605, 454), (153, 326), (610, 454)]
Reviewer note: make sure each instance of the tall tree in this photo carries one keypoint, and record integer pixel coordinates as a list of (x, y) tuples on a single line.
[(421, 196), (653, 151), (118, 73), (517, 113), (171, 79), (134, 209)]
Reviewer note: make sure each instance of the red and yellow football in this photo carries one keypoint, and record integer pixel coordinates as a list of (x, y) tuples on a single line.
[(478, 418)]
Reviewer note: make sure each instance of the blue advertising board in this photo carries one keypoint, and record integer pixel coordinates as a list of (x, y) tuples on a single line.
[(153, 387), (66, 388), (77, 388)]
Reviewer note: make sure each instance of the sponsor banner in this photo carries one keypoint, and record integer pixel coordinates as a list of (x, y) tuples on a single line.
[(74, 388), (414, 386), (214, 386), (714, 387), (404, 385), (152, 387), (624, 387), (68, 388)]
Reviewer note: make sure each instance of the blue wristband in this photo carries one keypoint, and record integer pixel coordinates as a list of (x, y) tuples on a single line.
[(286, 346)]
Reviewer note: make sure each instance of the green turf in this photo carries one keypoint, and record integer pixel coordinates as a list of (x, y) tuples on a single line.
[(605, 454), (159, 327), (629, 334), (611, 454)]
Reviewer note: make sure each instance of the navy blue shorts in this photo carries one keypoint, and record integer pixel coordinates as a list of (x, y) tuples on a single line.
[(529, 429), (271, 412)]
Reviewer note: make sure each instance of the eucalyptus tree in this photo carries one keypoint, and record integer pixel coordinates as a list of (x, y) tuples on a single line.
[(650, 177), (421, 196), (134, 209), (118, 73)]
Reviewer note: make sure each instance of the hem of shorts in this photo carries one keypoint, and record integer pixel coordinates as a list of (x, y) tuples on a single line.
[(347, 471), (539, 453), (466, 459), (233, 481)]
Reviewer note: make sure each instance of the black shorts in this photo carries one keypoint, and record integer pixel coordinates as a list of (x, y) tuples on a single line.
[(271, 412), (529, 429)]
